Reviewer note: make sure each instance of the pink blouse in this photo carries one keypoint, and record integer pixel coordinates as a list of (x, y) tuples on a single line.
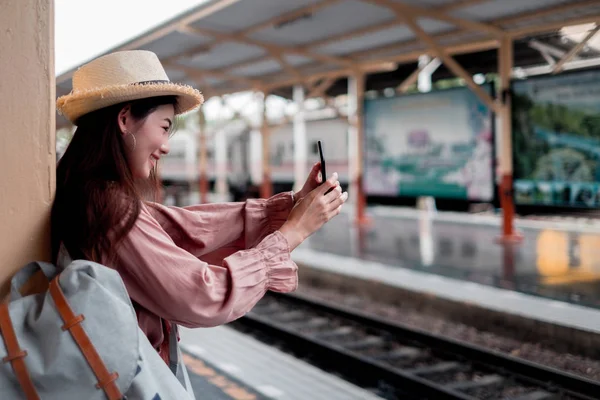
[(207, 264)]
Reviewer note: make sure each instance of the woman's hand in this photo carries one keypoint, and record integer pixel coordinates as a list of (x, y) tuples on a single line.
[(313, 211), (312, 182)]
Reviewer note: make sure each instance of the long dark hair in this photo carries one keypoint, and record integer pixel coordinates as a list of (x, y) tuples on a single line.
[(97, 198)]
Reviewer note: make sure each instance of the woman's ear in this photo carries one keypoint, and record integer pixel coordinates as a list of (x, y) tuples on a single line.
[(124, 119)]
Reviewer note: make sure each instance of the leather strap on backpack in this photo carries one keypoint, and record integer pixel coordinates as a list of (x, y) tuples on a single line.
[(15, 355), (106, 380)]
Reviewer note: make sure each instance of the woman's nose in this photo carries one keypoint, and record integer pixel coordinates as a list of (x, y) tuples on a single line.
[(164, 149)]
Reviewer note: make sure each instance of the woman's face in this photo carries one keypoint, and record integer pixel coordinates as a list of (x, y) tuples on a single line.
[(151, 138)]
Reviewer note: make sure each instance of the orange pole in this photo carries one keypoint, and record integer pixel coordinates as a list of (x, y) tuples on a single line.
[(356, 90), (505, 61), (508, 205)]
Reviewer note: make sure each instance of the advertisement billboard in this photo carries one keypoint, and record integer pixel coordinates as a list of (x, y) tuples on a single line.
[(556, 140), (432, 144)]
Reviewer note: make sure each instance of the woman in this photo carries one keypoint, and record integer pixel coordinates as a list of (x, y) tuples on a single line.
[(196, 266)]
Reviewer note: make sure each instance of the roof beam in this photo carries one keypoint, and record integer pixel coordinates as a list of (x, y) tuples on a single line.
[(286, 66), (461, 48), (546, 48), (163, 30), (350, 35), (310, 9), (245, 63), (460, 4), (271, 48), (551, 61), (575, 50), (202, 48), (450, 63), (319, 89), (195, 73), (553, 26), (289, 16), (409, 81), (384, 25), (432, 65), (505, 20), (194, 51), (547, 69), (367, 68), (410, 10), (400, 46), (561, 9)]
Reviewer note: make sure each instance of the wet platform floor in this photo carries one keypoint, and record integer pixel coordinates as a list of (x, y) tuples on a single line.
[(556, 260)]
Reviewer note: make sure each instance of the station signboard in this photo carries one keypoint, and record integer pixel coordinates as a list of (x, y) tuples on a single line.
[(437, 144), (556, 140)]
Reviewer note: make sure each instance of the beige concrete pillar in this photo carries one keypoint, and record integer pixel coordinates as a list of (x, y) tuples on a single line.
[(27, 141)]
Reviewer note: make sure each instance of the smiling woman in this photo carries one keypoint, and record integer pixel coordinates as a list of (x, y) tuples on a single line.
[(197, 266)]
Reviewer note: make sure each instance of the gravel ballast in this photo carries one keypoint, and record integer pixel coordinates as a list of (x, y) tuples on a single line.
[(534, 352)]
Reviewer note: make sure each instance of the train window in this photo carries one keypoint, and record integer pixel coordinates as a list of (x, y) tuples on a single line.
[(414, 240), (468, 249), (400, 245), (445, 246)]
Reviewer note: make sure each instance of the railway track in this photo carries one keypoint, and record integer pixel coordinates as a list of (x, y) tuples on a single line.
[(401, 362)]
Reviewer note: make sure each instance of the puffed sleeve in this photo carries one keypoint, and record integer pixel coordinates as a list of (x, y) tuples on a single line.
[(224, 228), (166, 275)]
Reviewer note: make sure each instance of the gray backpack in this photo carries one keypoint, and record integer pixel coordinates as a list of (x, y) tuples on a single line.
[(74, 335)]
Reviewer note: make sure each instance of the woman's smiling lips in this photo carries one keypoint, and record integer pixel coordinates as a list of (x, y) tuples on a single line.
[(154, 159)]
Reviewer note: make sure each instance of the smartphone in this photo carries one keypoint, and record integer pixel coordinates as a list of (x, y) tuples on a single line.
[(323, 170)]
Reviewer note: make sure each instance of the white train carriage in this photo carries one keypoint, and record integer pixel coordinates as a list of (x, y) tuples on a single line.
[(181, 166)]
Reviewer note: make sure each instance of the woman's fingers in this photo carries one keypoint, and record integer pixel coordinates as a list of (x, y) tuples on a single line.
[(315, 172), (334, 194), (328, 184), (338, 201)]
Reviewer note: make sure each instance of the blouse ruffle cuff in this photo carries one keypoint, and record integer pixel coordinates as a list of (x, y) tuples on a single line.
[(282, 272)]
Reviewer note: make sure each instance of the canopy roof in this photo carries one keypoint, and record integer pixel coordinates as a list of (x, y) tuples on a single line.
[(228, 46)]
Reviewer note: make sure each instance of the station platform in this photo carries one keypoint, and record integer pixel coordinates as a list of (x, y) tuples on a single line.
[(225, 364), (552, 276)]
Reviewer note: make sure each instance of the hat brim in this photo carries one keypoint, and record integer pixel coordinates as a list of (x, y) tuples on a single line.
[(76, 104)]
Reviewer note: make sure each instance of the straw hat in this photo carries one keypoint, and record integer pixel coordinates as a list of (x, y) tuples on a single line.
[(119, 77)]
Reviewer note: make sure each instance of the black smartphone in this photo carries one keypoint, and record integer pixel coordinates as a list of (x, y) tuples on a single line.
[(323, 170), (323, 173)]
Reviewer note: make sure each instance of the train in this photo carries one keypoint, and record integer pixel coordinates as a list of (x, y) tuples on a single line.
[(180, 171)]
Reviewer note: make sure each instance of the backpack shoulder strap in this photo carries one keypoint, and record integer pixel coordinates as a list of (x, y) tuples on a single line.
[(15, 355), (106, 380)]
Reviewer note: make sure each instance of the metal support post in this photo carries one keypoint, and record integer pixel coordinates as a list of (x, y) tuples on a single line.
[(300, 147), (356, 142), (506, 159)]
